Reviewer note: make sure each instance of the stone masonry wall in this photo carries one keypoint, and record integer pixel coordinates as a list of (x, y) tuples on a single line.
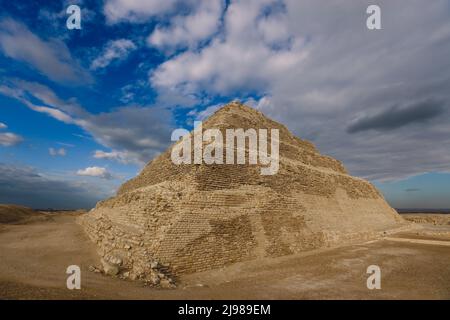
[(179, 219)]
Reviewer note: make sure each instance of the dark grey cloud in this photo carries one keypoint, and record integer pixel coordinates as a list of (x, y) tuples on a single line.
[(397, 117), (138, 133), (351, 71), (26, 186)]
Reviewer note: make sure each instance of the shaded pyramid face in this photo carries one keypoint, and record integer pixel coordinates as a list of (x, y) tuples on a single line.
[(193, 217)]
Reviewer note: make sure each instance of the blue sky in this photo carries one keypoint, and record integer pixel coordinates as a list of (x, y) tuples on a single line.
[(81, 111)]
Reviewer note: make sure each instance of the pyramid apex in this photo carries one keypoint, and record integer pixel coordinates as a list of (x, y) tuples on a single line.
[(235, 102), (230, 113)]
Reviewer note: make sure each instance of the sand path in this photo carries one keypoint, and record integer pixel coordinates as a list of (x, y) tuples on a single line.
[(34, 258)]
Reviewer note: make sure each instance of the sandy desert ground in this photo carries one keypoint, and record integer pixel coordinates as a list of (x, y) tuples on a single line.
[(36, 251)]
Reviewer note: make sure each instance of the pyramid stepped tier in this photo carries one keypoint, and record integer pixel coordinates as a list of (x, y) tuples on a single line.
[(178, 219)]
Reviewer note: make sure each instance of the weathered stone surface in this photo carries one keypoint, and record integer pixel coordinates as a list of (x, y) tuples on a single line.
[(199, 217), (109, 268), (166, 284)]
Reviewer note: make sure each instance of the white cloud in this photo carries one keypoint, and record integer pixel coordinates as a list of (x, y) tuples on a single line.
[(134, 91), (135, 10), (122, 157), (136, 133), (274, 29), (188, 30), (98, 172), (200, 115), (48, 97), (66, 144), (237, 60), (57, 152), (50, 57), (52, 105), (8, 139), (55, 113), (264, 104), (224, 67), (117, 50)]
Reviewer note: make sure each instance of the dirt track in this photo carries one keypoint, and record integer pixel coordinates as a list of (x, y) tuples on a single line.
[(34, 258)]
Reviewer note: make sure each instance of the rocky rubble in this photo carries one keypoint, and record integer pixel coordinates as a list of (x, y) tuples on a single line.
[(156, 276)]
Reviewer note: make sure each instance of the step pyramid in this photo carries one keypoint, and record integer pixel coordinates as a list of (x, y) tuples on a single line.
[(179, 219)]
